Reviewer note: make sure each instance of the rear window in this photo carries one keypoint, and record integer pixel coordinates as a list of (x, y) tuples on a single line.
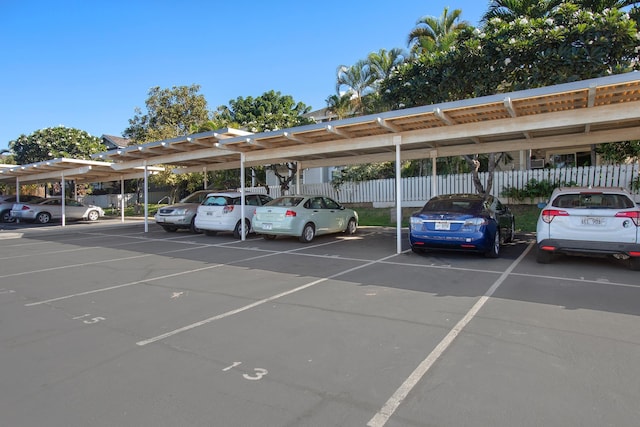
[(452, 205), (286, 201), (219, 201), (593, 200)]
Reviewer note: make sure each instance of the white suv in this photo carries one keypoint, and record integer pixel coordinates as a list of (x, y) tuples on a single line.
[(221, 212), (596, 221)]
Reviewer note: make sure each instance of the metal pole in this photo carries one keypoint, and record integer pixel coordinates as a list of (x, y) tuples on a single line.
[(397, 140), (146, 198), (243, 229)]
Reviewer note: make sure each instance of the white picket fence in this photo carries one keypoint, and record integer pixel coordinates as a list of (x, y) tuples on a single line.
[(416, 190)]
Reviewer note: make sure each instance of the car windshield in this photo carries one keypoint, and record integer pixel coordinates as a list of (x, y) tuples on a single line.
[(453, 205), (196, 197), (286, 201), (592, 201)]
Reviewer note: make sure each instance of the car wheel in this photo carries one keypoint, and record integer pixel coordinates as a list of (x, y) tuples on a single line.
[(494, 250), (308, 233), (5, 216), (268, 236), (210, 232), (512, 232), (634, 263), (352, 226), (93, 215), (417, 250), (543, 257), (43, 217), (237, 232), (170, 228), (193, 227)]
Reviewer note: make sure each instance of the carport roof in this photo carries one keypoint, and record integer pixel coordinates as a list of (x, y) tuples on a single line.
[(76, 169), (586, 112)]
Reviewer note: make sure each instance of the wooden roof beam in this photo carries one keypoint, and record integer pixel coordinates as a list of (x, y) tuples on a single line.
[(508, 104), (443, 116), (386, 125), (335, 131)]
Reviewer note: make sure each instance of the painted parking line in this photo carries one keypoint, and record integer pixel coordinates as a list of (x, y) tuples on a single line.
[(258, 303), (124, 285), (381, 418)]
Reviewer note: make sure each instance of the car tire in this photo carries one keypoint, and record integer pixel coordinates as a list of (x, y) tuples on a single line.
[(5, 216), (237, 232), (193, 227), (494, 250), (352, 226), (416, 250), (268, 237), (543, 257), (93, 215), (308, 233), (512, 232), (210, 232), (43, 218), (634, 263), (170, 228)]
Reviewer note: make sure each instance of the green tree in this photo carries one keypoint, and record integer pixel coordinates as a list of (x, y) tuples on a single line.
[(356, 81), (340, 105), (268, 112), (436, 33), (510, 10), (169, 113), (55, 142)]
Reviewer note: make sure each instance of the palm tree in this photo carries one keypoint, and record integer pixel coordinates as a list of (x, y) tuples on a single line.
[(357, 81), (383, 61), (340, 105), (436, 34), (509, 10)]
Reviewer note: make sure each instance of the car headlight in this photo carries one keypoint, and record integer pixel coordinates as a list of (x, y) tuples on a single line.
[(180, 211)]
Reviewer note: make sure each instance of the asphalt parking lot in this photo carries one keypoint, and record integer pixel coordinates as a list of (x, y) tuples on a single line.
[(102, 324)]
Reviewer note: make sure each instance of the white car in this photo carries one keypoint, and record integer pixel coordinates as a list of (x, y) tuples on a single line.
[(221, 212), (596, 221), (51, 209)]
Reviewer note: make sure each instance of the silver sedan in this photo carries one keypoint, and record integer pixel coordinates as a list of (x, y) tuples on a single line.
[(303, 216)]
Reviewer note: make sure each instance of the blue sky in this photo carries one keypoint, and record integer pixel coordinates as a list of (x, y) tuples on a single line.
[(89, 64)]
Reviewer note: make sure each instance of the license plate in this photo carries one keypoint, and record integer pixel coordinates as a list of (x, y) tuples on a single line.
[(590, 220), (443, 225), (160, 219), (267, 226)]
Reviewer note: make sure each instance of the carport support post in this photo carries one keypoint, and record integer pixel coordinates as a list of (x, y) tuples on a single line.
[(18, 194), (434, 157), (63, 185), (204, 172), (122, 198), (242, 201), (298, 176), (146, 197), (397, 140)]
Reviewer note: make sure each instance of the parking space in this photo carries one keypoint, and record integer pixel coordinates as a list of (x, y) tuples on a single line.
[(102, 324)]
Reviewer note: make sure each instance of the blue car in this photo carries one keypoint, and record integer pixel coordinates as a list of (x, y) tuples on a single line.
[(462, 222)]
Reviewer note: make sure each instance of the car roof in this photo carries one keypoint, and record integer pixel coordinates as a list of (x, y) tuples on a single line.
[(230, 194), (565, 190)]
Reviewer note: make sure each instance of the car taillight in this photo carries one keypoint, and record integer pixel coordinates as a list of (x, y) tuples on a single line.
[(549, 214), (290, 213), (634, 215), (25, 208), (227, 209)]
